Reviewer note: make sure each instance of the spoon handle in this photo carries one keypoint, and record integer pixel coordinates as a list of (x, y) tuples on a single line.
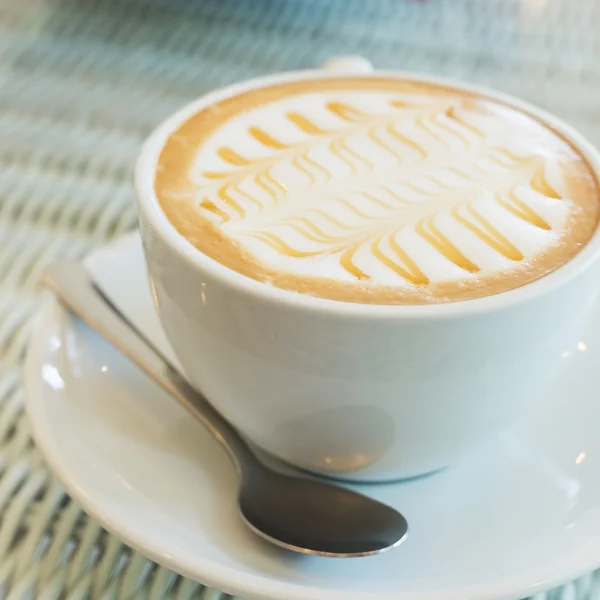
[(72, 283)]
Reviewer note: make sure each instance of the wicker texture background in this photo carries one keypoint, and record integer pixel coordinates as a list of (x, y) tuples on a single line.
[(81, 84)]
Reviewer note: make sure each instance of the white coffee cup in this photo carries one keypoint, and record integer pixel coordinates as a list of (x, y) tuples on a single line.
[(360, 391)]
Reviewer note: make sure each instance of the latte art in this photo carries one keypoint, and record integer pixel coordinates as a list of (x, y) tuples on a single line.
[(377, 190)]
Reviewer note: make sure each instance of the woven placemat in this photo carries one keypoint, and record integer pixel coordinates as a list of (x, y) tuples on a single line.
[(82, 82)]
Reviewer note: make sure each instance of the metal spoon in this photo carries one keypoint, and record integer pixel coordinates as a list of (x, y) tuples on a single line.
[(302, 515)]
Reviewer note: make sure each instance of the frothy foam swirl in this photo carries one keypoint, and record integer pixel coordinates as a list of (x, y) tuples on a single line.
[(394, 192)]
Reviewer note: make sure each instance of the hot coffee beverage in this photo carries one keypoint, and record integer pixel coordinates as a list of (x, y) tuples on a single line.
[(377, 190)]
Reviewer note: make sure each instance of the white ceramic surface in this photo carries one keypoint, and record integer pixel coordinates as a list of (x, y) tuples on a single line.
[(381, 392), (519, 516)]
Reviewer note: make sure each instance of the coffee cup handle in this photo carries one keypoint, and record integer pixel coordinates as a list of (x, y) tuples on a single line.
[(348, 64)]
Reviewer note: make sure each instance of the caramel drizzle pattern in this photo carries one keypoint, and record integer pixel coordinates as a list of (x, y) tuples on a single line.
[(376, 229), (260, 170)]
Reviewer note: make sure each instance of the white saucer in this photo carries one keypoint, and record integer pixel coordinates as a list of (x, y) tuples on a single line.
[(521, 516)]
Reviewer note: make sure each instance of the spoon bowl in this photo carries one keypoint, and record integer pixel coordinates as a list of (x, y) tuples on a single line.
[(314, 517)]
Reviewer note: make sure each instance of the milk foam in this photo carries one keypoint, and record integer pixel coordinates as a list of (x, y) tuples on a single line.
[(401, 189), (379, 190)]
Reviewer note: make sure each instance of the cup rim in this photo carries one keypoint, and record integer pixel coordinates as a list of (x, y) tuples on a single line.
[(149, 206)]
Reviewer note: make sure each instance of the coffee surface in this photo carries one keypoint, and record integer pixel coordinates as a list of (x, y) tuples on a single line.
[(377, 190)]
